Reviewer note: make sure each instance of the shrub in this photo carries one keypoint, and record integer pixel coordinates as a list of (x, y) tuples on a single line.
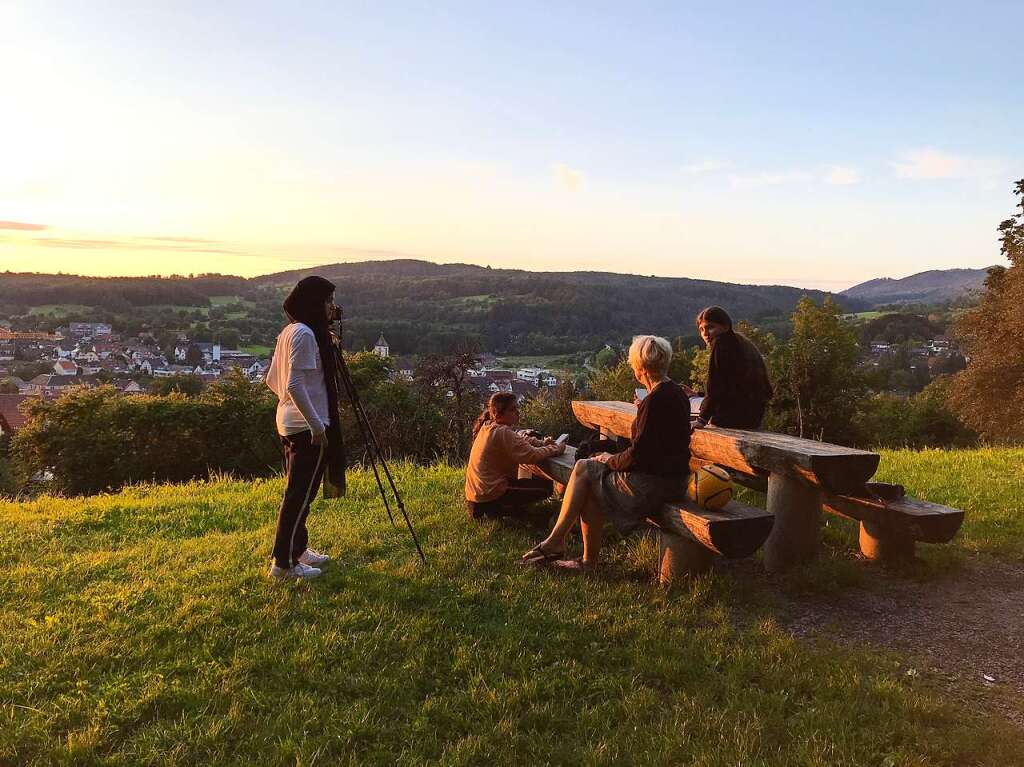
[(614, 383), (8, 480), (550, 413), (924, 420), (97, 439)]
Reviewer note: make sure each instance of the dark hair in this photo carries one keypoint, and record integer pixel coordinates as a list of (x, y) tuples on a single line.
[(305, 304), (715, 314), (498, 404)]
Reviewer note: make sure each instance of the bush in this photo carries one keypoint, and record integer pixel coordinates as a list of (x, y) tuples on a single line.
[(97, 439), (550, 413), (8, 479), (924, 420), (615, 383), (187, 384)]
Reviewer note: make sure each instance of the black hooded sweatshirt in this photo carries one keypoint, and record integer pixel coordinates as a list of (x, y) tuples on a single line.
[(738, 387), (305, 304)]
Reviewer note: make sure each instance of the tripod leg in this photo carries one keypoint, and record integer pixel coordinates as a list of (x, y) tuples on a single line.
[(364, 425), (373, 448), (401, 508), (370, 449)]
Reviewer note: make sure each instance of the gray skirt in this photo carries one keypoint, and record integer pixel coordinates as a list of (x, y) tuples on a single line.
[(629, 497)]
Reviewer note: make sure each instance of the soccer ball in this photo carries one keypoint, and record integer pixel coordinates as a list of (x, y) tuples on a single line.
[(710, 487)]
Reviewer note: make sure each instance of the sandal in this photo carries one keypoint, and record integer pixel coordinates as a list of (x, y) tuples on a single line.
[(538, 555), (576, 565)]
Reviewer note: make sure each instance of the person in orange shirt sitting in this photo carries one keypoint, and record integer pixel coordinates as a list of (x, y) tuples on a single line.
[(492, 488)]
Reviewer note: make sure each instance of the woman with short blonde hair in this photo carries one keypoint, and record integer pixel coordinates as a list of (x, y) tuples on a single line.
[(652, 353), (627, 487)]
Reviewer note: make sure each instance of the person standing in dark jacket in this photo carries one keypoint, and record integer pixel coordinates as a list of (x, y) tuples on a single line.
[(738, 387)]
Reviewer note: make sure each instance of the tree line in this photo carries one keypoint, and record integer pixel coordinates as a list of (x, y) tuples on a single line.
[(420, 307)]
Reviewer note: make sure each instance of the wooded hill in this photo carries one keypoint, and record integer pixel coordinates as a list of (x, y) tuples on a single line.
[(26, 289), (416, 302), (421, 306), (932, 287)]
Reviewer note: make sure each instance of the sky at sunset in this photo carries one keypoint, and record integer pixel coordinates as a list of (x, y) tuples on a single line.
[(794, 143)]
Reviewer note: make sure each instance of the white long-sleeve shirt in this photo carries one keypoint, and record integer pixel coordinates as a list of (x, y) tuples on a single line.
[(296, 376)]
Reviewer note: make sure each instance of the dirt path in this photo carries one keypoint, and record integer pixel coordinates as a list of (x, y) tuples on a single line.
[(967, 626)]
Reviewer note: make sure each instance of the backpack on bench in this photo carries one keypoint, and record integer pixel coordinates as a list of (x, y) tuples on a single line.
[(594, 444)]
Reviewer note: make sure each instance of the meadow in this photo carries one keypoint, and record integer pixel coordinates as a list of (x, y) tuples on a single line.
[(139, 628)]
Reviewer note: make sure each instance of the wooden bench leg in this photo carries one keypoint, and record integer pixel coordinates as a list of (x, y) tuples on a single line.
[(679, 556), (796, 531), (881, 543)]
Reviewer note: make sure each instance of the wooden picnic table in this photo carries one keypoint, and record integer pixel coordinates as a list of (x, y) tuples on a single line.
[(802, 478)]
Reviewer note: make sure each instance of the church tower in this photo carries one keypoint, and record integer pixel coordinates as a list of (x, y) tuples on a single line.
[(381, 347)]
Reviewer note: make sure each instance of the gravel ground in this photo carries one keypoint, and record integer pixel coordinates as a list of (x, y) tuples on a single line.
[(965, 626)]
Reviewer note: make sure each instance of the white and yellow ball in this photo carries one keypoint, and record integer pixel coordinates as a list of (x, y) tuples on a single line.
[(710, 487)]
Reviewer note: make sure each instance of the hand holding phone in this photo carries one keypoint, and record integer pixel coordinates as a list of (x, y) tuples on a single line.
[(561, 439)]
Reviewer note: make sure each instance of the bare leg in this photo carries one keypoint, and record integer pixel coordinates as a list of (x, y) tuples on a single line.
[(576, 499), (592, 526)]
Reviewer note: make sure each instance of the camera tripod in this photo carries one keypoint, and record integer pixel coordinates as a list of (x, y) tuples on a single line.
[(372, 447)]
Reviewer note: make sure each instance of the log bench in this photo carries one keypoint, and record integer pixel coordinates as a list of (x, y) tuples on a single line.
[(802, 478), (689, 536)]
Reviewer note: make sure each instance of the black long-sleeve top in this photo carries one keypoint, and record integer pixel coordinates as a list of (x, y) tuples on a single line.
[(738, 387), (660, 435)]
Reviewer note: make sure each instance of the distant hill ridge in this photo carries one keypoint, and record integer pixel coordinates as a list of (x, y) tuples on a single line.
[(422, 306), (934, 286), (544, 312)]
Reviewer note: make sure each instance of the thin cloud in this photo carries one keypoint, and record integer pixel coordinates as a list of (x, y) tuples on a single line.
[(830, 174), (568, 177), (928, 163), (22, 226), (755, 180), (841, 175), (130, 244), (84, 244), (192, 240), (703, 166)]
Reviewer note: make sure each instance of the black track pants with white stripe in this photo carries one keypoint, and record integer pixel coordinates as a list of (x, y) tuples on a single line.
[(304, 465)]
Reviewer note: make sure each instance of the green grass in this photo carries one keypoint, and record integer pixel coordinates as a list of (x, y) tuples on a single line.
[(139, 628), (60, 310), (241, 305), (257, 350), (175, 308), (483, 300), (988, 484), (536, 360), (865, 316)]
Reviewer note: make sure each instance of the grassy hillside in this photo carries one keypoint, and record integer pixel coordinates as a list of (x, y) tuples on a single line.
[(138, 628)]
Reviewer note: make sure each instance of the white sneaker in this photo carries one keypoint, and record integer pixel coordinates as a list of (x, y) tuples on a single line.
[(314, 558), (299, 571)]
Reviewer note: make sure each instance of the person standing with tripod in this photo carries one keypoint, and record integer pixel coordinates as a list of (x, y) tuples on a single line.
[(304, 375)]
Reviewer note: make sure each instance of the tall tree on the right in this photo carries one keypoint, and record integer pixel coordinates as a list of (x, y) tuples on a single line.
[(989, 393)]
